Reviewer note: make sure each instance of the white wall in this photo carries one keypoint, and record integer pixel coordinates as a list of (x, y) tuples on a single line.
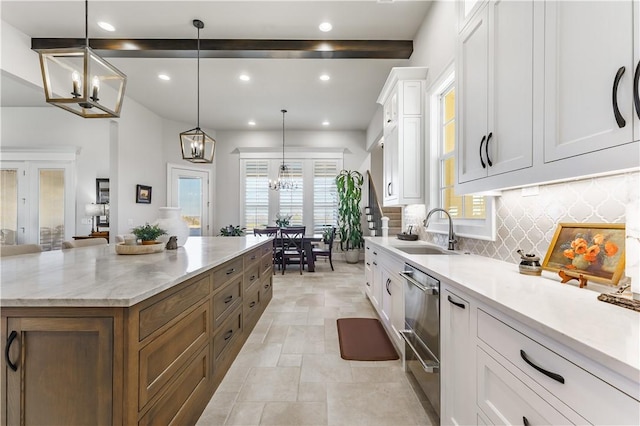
[(227, 162)]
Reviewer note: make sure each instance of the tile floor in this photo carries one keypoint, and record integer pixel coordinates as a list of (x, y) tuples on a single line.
[(289, 371)]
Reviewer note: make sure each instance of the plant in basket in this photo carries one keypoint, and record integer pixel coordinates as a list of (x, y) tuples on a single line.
[(148, 233)]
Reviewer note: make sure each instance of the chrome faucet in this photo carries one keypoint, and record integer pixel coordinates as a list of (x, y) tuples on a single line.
[(452, 236)]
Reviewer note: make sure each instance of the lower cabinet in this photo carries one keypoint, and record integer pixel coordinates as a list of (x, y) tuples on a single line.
[(157, 362), (496, 370)]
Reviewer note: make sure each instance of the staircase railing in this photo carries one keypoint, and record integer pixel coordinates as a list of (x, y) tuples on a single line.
[(375, 209)]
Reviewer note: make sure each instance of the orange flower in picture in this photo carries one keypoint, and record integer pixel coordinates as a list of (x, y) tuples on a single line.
[(594, 251)]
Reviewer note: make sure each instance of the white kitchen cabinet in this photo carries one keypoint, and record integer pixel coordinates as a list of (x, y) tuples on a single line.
[(457, 350), (392, 305), (402, 98), (588, 77), (467, 10), (373, 287), (495, 91)]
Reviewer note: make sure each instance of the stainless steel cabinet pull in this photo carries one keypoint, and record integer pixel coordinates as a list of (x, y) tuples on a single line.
[(428, 290), (10, 340), (486, 150), (458, 304), (636, 89), (547, 373), (616, 112), (375, 263), (484, 166)]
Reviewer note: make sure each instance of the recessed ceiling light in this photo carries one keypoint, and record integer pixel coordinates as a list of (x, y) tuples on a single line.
[(164, 77), (106, 26), (325, 77), (244, 77), (251, 123), (325, 123), (325, 27)]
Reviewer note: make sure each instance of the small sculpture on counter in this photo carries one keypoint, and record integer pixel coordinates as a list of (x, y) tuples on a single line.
[(530, 264), (172, 244)]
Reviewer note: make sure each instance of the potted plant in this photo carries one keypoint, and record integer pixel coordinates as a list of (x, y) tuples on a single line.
[(349, 185), (232, 231), (282, 220), (148, 233)]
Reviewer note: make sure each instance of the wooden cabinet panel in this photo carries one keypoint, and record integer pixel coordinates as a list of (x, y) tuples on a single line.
[(251, 276), (182, 403), (252, 257), (227, 271), (161, 359), (251, 303), (227, 333), (266, 263), (166, 309), (266, 291), (226, 300), (75, 355)]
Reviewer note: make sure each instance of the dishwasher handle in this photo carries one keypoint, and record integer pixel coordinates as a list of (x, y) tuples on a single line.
[(428, 366), (433, 291)]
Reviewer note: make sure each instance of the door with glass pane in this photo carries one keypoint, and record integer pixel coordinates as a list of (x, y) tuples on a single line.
[(189, 189), (37, 204)]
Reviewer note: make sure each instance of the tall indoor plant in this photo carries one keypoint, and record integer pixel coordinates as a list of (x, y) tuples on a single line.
[(349, 185)]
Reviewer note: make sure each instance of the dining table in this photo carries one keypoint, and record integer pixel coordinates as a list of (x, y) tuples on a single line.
[(307, 244)]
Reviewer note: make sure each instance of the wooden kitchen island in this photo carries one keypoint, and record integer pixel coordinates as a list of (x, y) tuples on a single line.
[(93, 337)]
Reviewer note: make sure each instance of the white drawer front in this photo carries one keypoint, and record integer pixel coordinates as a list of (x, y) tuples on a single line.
[(506, 400), (592, 398)]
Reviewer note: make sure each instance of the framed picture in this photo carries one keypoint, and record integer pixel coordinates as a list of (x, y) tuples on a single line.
[(593, 250), (143, 194)]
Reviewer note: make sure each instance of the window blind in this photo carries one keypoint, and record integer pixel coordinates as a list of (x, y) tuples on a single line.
[(325, 194), (256, 194), (292, 201)]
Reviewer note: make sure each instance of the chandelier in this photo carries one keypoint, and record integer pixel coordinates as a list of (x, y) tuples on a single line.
[(78, 80), (195, 144), (285, 181)]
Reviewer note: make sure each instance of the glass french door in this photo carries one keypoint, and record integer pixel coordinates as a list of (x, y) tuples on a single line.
[(36, 203), (189, 189)]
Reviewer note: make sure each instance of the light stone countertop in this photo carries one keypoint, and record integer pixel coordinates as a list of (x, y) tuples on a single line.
[(96, 276), (572, 316)]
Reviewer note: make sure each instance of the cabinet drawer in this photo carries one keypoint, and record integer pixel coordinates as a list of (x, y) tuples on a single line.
[(161, 359), (227, 333), (251, 276), (186, 397), (227, 271), (251, 303), (266, 292), (266, 263), (164, 310), (252, 257), (581, 391), (266, 248), (506, 400), (225, 301)]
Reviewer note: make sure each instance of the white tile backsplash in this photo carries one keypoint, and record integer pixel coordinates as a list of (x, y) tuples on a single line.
[(528, 223)]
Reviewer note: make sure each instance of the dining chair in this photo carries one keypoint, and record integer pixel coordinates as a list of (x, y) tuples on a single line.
[(326, 252), (270, 231), (84, 243), (292, 245), (15, 250)]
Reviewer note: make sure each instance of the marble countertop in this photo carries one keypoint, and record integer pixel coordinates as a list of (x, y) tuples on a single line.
[(570, 315), (96, 276)]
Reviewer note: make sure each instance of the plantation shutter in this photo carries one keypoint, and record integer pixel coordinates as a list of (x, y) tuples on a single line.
[(292, 201), (256, 194), (325, 194)]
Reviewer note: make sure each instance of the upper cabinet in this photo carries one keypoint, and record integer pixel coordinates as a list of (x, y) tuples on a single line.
[(402, 98), (495, 85), (544, 97), (588, 77)]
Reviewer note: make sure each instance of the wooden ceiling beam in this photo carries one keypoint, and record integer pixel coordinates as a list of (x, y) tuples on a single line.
[(236, 48)]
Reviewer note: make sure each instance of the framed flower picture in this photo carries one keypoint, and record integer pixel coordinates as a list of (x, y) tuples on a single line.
[(592, 250)]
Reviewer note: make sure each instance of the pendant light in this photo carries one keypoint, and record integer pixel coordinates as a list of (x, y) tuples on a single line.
[(78, 80), (196, 145), (285, 181)]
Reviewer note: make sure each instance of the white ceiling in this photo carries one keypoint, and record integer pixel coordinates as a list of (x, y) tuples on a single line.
[(347, 101)]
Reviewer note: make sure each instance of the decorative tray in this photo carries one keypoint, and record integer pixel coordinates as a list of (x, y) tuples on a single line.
[(407, 237), (121, 248)]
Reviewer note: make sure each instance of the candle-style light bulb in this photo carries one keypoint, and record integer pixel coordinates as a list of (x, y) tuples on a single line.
[(95, 83), (77, 84)]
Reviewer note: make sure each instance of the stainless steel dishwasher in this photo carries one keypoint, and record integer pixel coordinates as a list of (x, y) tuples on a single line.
[(422, 332)]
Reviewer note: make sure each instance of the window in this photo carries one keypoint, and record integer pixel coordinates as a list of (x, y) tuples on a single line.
[(313, 203), (473, 214)]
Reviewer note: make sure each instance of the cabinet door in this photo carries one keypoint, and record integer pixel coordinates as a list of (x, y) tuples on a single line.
[(412, 159), (391, 187), (390, 111), (457, 360), (581, 65), (509, 144), (385, 309), (397, 308), (368, 273), (472, 87), (64, 371)]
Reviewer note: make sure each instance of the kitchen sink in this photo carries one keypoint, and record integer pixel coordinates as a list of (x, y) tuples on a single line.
[(424, 250)]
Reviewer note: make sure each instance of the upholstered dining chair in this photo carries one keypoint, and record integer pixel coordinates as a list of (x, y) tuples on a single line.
[(292, 245), (14, 250), (84, 243), (326, 252), (271, 232)]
